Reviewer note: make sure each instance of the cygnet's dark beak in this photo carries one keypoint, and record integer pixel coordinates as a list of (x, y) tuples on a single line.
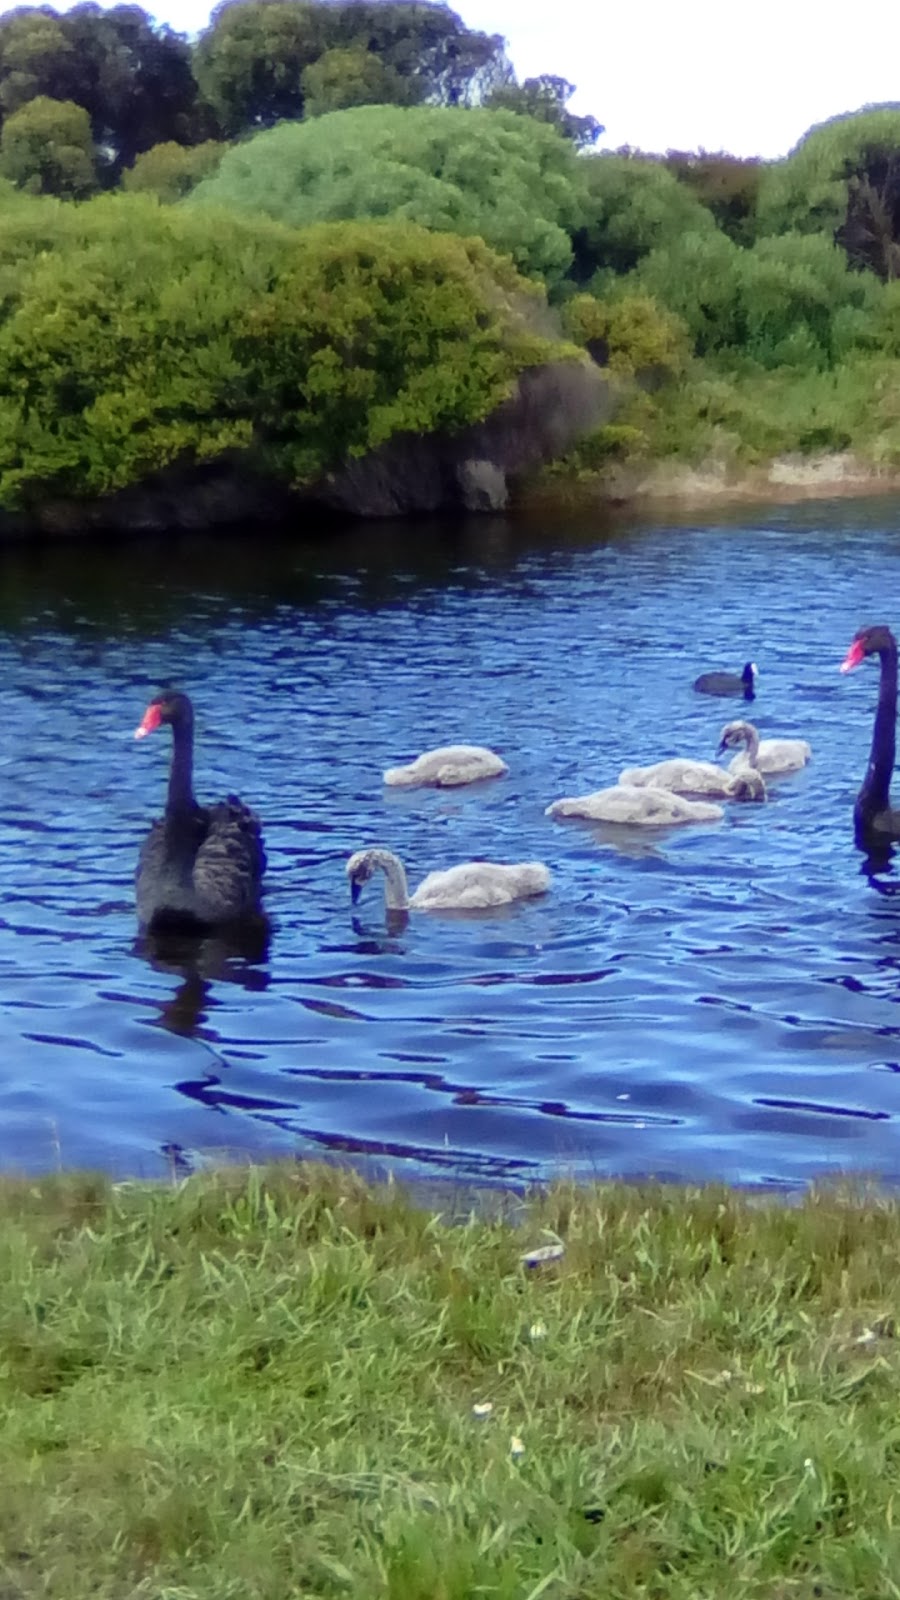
[(722, 746), (355, 890)]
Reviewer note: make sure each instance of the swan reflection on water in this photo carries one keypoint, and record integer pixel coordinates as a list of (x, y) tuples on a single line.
[(237, 956)]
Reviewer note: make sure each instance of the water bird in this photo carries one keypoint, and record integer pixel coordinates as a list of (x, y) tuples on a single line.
[(199, 866), (729, 682), (448, 767), (645, 808), (769, 756), (472, 886), (872, 812), (684, 776)]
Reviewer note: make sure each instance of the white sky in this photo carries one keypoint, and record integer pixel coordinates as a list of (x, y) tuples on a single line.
[(688, 74)]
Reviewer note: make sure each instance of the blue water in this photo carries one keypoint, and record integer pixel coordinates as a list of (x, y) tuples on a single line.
[(715, 1002)]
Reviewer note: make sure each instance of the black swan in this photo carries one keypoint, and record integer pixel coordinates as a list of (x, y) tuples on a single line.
[(729, 682), (199, 866), (872, 812)]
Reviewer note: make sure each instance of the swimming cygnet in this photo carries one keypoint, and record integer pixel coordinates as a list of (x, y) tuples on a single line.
[(472, 886), (770, 756), (646, 808), (684, 776), (448, 767)]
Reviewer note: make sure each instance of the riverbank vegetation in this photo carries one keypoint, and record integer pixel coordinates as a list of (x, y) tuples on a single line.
[(262, 1383), (742, 309)]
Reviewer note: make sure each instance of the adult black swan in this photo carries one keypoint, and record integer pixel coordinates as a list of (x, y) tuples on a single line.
[(200, 866), (729, 682), (872, 814)]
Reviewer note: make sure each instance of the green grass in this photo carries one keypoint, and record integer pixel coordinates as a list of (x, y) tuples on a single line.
[(745, 417), (260, 1384)]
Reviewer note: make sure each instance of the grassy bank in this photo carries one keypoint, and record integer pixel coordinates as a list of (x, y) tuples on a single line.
[(719, 432), (266, 1384)]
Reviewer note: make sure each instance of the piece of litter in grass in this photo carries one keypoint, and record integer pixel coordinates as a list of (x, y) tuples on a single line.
[(538, 1330), (868, 1336), (482, 1408), (516, 1447), (544, 1252)]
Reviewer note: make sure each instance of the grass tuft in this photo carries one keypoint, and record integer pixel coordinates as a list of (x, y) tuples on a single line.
[(266, 1383)]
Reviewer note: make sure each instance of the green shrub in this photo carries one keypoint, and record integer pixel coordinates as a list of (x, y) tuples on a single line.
[(134, 335), (630, 334), (170, 171), (510, 179)]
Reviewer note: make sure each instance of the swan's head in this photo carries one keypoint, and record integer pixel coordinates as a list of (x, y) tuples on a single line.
[(868, 642), (168, 706), (359, 869), (735, 735)]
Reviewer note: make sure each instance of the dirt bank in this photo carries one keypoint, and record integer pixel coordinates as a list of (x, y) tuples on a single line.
[(786, 478)]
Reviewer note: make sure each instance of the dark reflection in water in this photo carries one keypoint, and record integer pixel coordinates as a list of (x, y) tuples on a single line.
[(719, 1002)]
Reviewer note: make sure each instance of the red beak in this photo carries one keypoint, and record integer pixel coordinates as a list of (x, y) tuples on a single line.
[(152, 719), (854, 656)]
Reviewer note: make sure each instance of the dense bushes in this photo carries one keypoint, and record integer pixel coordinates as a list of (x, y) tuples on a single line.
[(150, 335), (510, 179)]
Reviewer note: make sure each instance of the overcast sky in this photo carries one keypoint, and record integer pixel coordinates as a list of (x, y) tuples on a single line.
[(689, 74)]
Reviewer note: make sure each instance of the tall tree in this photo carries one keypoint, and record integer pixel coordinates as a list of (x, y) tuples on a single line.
[(547, 99), (353, 77), (46, 148), (250, 61)]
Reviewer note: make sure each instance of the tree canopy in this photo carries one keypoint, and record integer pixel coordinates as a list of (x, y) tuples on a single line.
[(632, 206), (514, 181), (842, 179), (46, 148)]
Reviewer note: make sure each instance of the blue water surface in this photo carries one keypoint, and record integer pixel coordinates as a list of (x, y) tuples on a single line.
[(713, 1002)]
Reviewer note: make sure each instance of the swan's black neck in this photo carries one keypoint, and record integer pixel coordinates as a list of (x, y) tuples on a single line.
[(181, 774), (874, 796)]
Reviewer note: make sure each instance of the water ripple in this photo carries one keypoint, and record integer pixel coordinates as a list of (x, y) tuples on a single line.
[(715, 1003)]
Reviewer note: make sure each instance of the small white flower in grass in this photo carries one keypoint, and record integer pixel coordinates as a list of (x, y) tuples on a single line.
[(482, 1408), (516, 1447), (538, 1330), (809, 1465), (868, 1336)]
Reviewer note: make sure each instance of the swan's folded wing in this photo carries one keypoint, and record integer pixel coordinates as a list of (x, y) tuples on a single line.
[(230, 862)]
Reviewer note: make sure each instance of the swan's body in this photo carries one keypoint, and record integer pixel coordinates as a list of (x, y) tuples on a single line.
[(872, 813), (729, 682), (644, 807), (472, 886), (686, 777), (448, 767), (199, 866), (769, 756)]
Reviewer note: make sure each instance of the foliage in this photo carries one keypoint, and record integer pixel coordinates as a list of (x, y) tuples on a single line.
[(170, 171), (633, 205), (133, 79), (252, 60), (630, 334), (842, 179), (429, 45), (727, 185), (777, 303), (353, 77), (261, 1384), (509, 179), (46, 148), (547, 98), (133, 336)]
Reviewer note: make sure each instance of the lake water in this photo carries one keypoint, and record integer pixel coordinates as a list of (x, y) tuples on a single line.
[(714, 1002)]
